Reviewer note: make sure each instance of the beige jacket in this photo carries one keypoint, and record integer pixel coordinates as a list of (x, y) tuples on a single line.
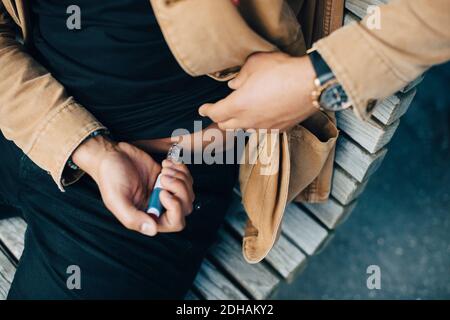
[(215, 38)]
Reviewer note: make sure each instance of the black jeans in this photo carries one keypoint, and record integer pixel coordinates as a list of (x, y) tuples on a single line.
[(75, 228)]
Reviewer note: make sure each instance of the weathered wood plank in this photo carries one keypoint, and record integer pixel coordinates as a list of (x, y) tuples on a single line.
[(12, 232), (350, 17), (359, 7), (369, 134), (359, 163), (413, 84), (331, 213), (192, 296), (392, 108), (256, 279), (306, 233), (284, 257), (345, 188), (213, 285), (7, 270)]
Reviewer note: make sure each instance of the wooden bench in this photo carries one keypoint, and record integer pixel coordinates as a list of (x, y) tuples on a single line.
[(306, 229)]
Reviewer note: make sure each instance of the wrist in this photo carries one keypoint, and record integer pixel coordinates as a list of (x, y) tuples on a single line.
[(306, 76), (90, 152)]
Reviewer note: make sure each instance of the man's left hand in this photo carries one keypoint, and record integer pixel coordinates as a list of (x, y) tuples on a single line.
[(272, 91)]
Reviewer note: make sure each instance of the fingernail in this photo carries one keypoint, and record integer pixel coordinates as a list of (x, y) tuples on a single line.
[(148, 229), (200, 112)]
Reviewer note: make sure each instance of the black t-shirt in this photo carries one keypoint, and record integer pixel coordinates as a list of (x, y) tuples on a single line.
[(120, 68)]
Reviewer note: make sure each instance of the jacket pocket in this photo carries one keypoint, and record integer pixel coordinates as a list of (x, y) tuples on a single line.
[(311, 146)]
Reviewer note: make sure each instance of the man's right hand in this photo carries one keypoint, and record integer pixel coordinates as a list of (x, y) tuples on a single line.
[(125, 176)]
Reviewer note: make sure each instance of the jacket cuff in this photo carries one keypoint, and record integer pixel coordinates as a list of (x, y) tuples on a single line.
[(57, 140), (358, 67)]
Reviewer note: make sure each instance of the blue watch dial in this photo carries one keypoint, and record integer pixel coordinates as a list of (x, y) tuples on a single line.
[(333, 98)]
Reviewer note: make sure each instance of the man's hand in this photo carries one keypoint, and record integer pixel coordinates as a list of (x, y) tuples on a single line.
[(125, 176), (272, 91)]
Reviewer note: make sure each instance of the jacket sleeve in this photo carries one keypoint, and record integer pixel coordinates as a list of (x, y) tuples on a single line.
[(373, 63), (35, 111)]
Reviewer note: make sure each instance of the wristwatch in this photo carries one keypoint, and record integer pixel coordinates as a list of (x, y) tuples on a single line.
[(328, 94)]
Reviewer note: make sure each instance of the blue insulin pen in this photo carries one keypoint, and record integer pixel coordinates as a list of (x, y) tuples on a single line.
[(155, 207)]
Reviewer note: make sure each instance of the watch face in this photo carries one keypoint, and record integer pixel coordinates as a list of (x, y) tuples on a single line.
[(333, 98)]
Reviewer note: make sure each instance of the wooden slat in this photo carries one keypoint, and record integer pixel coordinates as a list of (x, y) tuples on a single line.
[(12, 232), (256, 279), (192, 296), (213, 285), (345, 188), (331, 213), (392, 108), (359, 7), (7, 270), (284, 257), (369, 134), (303, 230), (350, 17), (359, 163), (413, 84)]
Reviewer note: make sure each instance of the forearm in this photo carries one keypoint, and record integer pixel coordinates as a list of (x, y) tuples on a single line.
[(35, 110), (374, 63)]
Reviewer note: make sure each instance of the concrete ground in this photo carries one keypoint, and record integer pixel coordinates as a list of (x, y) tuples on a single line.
[(402, 221)]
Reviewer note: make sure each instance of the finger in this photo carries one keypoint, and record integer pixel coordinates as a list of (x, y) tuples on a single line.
[(134, 219), (240, 79), (215, 111), (181, 190), (233, 124), (175, 165), (179, 167), (172, 172), (173, 219), (246, 71), (220, 111)]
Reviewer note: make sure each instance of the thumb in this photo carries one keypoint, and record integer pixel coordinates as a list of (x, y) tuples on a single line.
[(132, 218), (144, 224), (204, 110), (239, 80), (220, 111)]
